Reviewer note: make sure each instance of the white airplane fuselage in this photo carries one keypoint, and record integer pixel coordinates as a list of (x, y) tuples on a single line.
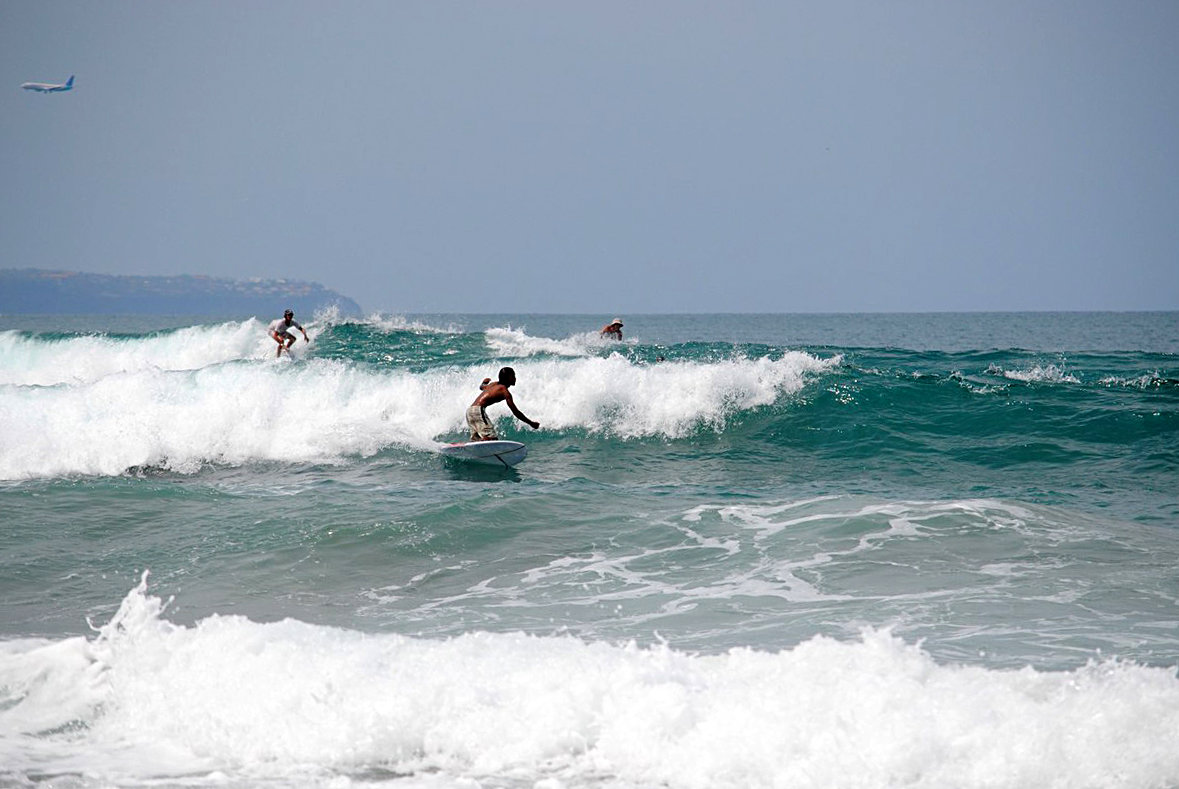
[(49, 87)]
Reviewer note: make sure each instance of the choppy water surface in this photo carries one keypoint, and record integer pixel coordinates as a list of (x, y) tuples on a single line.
[(883, 550)]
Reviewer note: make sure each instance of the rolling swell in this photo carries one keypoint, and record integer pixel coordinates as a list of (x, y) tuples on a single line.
[(978, 423)]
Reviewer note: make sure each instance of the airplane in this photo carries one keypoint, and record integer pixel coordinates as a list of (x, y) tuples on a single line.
[(46, 87)]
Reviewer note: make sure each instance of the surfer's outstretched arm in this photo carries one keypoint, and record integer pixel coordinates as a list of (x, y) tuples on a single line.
[(520, 414)]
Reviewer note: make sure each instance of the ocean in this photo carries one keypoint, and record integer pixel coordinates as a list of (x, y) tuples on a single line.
[(921, 551)]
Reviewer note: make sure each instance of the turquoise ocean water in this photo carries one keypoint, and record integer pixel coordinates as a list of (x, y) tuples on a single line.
[(744, 551)]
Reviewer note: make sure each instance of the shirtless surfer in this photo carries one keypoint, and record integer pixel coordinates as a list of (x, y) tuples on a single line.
[(280, 331), (481, 429)]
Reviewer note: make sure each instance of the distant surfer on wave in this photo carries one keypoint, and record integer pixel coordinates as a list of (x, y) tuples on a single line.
[(280, 330), (612, 329), (481, 429)]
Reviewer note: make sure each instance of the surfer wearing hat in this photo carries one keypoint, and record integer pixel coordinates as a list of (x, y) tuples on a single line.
[(481, 428), (612, 329), (280, 331)]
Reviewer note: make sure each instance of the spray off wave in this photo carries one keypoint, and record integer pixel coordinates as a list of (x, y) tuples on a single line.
[(509, 342), (147, 699), (399, 323)]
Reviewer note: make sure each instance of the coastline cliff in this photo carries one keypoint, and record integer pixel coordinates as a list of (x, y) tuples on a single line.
[(41, 291)]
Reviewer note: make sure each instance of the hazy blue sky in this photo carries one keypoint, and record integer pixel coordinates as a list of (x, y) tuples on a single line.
[(605, 157)]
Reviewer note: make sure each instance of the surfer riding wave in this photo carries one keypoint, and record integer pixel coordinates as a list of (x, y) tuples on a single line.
[(481, 427), (280, 332)]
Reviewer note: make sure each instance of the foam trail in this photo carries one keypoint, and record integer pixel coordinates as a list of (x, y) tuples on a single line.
[(289, 701)]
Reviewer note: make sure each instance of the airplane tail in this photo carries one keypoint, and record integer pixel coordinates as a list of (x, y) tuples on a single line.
[(70, 81)]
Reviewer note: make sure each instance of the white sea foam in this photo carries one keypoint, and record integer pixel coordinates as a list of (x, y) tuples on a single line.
[(233, 701), (232, 413), (616, 396), (511, 342), (32, 361), (1143, 382), (1050, 374), (904, 517), (214, 395)]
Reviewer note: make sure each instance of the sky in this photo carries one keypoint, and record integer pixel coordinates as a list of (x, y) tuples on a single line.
[(605, 157)]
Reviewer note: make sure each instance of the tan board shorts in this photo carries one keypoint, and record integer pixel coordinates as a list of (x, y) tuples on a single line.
[(481, 429)]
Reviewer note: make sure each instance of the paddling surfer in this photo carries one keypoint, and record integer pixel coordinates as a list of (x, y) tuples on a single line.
[(492, 393), (280, 332)]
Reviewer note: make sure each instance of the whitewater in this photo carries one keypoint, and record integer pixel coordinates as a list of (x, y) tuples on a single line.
[(744, 551)]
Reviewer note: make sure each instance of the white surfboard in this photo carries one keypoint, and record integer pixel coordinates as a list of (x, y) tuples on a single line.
[(494, 453)]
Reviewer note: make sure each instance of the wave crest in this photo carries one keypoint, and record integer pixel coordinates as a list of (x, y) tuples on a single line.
[(236, 413)]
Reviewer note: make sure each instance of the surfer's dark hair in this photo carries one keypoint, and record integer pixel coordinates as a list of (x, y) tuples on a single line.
[(506, 373)]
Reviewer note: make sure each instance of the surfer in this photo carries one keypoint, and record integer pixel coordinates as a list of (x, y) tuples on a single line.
[(481, 429), (280, 330), (612, 329)]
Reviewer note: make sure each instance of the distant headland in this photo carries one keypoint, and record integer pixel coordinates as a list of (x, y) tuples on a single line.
[(42, 292)]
